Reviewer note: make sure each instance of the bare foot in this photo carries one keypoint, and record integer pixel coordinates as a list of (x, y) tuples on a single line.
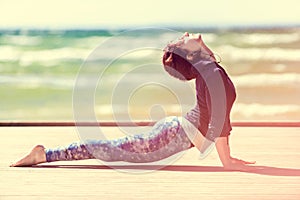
[(35, 156)]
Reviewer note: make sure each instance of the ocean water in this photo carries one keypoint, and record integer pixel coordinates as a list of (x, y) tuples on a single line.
[(120, 76)]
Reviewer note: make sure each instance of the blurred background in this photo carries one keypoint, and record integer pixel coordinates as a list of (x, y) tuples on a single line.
[(44, 44)]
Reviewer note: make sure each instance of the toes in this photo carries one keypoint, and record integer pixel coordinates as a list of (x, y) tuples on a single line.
[(32, 158), (16, 164)]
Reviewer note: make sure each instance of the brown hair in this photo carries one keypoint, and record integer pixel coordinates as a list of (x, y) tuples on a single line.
[(178, 66)]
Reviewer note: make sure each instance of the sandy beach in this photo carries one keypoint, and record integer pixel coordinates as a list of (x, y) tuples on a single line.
[(276, 151)]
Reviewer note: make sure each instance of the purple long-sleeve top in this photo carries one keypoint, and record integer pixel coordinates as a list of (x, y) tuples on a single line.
[(215, 97)]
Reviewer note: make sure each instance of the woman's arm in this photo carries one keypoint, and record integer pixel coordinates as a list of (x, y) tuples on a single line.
[(216, 95), (223, 150), (225, 157)]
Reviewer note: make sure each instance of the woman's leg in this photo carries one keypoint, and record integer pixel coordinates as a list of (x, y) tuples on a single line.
[(165, 139)]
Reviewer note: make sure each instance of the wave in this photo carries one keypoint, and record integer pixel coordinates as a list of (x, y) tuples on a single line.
[(80, 47), (46, 57), (257, 111), (33, 81), (21, 40), (51, 57), (251, 54), (90, 42), (267, 38), (288, 80), (240, 111)]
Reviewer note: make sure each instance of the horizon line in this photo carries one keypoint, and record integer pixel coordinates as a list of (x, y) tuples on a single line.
[(157, 25)]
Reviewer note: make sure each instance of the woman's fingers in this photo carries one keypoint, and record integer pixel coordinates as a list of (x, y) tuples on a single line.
[(243, 161), (249, 162)]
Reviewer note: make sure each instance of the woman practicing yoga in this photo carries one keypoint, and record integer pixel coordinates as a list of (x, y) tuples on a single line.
[(186, 58)]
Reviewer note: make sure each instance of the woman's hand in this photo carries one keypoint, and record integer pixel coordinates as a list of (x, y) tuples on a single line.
[(235, 160), (229, 162), (237, 164)]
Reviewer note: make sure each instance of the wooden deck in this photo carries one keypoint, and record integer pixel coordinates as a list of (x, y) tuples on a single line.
[(277, 175)]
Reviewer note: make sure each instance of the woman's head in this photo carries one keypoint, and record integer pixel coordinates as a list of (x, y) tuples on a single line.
[(177, 66), (179, 56)]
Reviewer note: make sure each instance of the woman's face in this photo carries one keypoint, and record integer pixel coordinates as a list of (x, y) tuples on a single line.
[(191, 42)]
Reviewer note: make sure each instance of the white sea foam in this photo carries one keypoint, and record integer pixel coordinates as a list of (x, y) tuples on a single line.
[(31, 81), (9, 53), (267, 38), (22, 40), (252, 54), (240, 111), (256, 111), (26, 58), (209, 37), (49, 57), (53, 55), (140, 53), (89, 42), (290, 80), (108, 109)]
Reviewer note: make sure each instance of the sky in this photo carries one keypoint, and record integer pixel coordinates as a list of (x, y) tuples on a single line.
[(122, 13)]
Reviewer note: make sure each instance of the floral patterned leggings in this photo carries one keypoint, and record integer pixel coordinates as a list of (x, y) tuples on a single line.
[(166, 138)]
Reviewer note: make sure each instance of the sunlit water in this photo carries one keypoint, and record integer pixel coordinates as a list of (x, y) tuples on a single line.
[(38, 71)]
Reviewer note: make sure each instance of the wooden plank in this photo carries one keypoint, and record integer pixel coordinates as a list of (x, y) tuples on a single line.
[(137, 123), (276, 150), (49, 124)]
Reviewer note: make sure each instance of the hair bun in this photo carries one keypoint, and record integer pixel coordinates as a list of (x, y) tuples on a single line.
[(168, 58)]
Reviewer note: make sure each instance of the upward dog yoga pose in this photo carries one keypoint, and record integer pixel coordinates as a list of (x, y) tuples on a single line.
[(186, 58)]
